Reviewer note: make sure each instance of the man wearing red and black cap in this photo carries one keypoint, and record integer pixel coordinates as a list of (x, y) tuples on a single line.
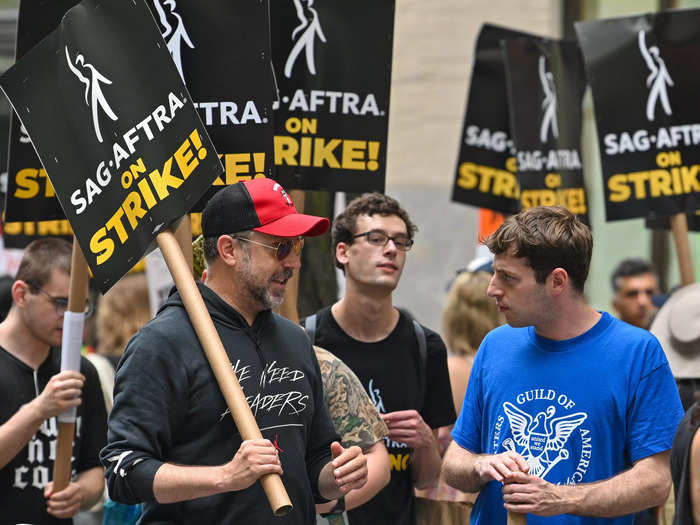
[(171, 440)]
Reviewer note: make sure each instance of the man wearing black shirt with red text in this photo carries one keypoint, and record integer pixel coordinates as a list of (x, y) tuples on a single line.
[(382, 345)]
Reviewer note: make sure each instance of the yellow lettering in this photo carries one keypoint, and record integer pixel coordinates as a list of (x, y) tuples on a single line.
[(162, 182), (185, 159), (27, 186), (286, 149), (101, 245), (619, 190), (115, 223), (132, 208), (354, 154), (323, 152)]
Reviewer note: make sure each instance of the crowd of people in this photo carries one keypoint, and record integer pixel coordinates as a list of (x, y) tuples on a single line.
[(535, 403)]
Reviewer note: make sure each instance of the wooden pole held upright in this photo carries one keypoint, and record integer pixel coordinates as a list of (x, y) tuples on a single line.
[(79, 276), (219, 361), (515, 518), (679, 227)]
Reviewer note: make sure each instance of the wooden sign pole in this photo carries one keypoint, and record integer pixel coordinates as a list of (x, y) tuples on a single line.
[(679, 227), (515, 518), (79, 276), (219, 361)]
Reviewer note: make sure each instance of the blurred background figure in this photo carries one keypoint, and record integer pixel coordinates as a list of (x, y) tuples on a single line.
[(685, 467), (6, 282), (634, 283), (468, 316)]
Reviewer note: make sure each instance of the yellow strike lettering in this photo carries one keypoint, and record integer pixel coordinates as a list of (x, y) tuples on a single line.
[(147, 193), (162, 182), (12, 228), (660, 183), (638, 179), (690, 178), (235, 164), (305, 157), (27, 186), (354, 154), (137, 168), (323, 151), (185, 159), (115, 223), (101, 245), (286, 149), (132, 208), (468, 179), (487, 173), (49, 228), (506, 184), (619, 190), (48, 188), (395, 462)]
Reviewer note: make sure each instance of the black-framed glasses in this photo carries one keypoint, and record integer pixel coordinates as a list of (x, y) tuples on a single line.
[(380, 238), (59, 303), (282, 248)]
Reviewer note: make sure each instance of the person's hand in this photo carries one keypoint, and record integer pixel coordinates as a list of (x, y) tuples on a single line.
[(325, 508), (253, 459), (60, 393), (349, 467), (64, 503), (408, 427), (498, 467), (525, 493)]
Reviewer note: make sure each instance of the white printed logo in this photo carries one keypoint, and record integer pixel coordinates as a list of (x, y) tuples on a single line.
[(549, 104), (24, 135), (173, 36), (277, 187), (658, 78), (308, 29), (376, 397), (93, 88)]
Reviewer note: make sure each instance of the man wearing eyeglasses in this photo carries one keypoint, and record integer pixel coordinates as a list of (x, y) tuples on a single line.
[(34, 391), (402, 365), (172, 442)]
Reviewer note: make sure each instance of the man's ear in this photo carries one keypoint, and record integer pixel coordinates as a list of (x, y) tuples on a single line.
[(229, 250), (341, 252), (559, 281), (19, 290)]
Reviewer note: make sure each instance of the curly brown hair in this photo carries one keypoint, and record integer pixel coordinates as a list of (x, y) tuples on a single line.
[(344, 225)]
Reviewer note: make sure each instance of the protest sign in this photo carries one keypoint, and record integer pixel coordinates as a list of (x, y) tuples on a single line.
[(644, 79), (332, 64), (546, 82), (123, 166), (222, 53), (30, 195), (486, 167)]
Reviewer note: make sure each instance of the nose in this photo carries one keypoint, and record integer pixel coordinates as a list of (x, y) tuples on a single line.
[(493, 290), (390, 247), (292, 261)]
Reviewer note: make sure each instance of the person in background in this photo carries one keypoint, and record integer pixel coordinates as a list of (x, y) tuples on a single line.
[(685, 467), (634, 284)]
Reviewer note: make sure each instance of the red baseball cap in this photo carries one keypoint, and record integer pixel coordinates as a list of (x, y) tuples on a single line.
[(261, 205)]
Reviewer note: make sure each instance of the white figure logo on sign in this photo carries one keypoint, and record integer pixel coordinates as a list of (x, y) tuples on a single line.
[(173, 36), (549, 104), (93, 89), (308, 28), (658, 78)]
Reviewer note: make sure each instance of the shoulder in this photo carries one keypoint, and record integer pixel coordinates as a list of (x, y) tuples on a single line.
[(333, 367)]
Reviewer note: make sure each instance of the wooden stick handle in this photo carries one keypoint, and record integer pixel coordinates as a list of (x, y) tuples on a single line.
[(77, 296), (679, 227), (219, 361), (515, 518)]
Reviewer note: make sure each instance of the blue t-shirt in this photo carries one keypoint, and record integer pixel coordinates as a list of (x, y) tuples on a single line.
[(579, 410)]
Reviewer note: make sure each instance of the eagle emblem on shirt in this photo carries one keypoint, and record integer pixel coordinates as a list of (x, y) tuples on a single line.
[(540, 439)]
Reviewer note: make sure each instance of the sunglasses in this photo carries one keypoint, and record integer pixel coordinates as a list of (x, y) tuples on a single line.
[(59, 303), (282, 248)]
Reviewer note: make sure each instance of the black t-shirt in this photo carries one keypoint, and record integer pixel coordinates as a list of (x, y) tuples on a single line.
[(389, 370), (680, 468), (23, 479)]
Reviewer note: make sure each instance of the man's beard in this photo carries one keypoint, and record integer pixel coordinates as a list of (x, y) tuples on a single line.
[(258, 288)]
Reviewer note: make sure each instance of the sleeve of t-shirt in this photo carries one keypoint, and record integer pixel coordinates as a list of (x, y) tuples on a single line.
[(467, 429), (147, 408), (94, 420), (438, 407), (655, 409)]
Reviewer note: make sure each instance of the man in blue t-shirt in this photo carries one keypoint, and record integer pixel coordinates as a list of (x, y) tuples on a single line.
[(569, 412)]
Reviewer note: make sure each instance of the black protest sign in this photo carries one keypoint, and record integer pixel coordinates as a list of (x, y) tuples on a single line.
[(333, 68), (486, 170), (30, 195), (645, 77), (546, 82), (115, 129), (222, 51)]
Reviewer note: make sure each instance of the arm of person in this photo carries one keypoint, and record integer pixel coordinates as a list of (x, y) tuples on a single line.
[(61, 392), (345, 472), (646, 484), (378, 476), (469, 472), (80, 494), (695, 478), (407, 426), (254, 458)]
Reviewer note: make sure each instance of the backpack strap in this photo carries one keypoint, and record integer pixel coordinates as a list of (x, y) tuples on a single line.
[(423, 358), (310, 327)]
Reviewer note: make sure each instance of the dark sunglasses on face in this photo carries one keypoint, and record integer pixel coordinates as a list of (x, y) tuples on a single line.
[(59, 303), (380, 238), (282, 248)]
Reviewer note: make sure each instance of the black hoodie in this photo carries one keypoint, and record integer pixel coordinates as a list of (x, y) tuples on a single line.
[(168, 408)]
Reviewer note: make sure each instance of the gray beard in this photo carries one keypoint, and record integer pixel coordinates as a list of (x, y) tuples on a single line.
[(257, 288)]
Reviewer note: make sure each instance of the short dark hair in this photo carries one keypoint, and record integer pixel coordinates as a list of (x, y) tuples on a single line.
[(630, 268), (548, 237), (209, 247), (43, 256), (367, 204)]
